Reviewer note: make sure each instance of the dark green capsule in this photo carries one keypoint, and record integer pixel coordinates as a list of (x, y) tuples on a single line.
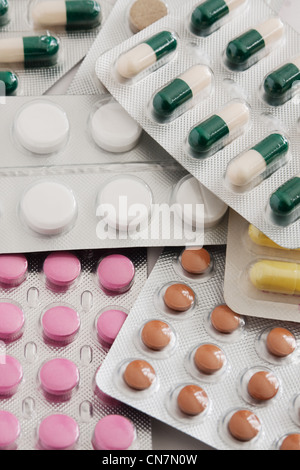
[(241, 49), (278, 83), (40, 51), (272, 147), (287, 198), (83, 14), (204, 136), (207, 14), (11, 82), (162, 44), (171, 97), (4, 12)]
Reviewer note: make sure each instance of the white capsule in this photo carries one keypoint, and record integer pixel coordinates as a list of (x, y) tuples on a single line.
[(271, 30), (50, 13), (236, 115), (245, 168)]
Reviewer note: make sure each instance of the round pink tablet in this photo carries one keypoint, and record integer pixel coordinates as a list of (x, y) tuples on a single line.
[(13, 270), (109, 324), (113, 432), (11, 321), (59, 377), (116, 273), (11, 374), (62, 269), (9, 430), (58, 432), (61, 324)]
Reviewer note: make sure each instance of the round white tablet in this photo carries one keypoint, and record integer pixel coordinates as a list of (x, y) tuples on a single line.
[(190, 191), (113, 129), (48, 208), (42, 127)]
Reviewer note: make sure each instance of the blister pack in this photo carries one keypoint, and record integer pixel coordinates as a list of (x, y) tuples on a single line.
[(59, 314), (217, 88), (41, 40), (185, 358)]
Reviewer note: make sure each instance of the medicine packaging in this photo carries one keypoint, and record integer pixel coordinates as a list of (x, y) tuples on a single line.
[(202, 95), (54, 312)]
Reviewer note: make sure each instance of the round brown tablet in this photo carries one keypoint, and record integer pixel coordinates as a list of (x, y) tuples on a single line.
[(291, 442), (192, 400), (225, 320), (179, 297), (209, 359), (156, 335), (263, 386), (281, 342), (195, 261), (143, 13), (244, 425), (139, 375)]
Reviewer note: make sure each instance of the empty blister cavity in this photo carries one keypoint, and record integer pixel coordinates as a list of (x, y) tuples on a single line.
[(194, 264), (177, 300), (11, 82), (250, 47), (225, 325), (10, 430), (61, 271), (294, 409), (278, 277), (11, 375), (60, 324), (156, 338), (12, 320), (188, 403), (4, 12), (147, 56), (259, 386), (137, 378), (282, 84), (143, 13), (114, 432), (58, 432), (108, 325), (13, 270), (59, 378), (116, 274), (207, 362), (241, 429), (277, 345), (218, 130), (284, 204)]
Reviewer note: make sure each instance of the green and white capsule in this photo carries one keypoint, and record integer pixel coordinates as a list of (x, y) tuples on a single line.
[(4, 12), (207, 16), (248, 166), (285, 201), (31, 51), (182, 90), (10, 82), (245, 50), (72, 14), (138, 59), (279, 85), (227, 123)]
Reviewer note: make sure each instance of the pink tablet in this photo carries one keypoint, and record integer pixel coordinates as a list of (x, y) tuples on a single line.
[(60, 324), (59, 377), (13, 270), (61, 269), (9, 430), (11, 374), (11, 321), (116, 273), (109, 324), (114, 432), (58, 432)]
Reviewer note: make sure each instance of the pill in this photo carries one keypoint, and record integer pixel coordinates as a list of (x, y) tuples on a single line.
[(114, 432), (13, 270), (48, 208), (60, 324), (58, 432), (263, 386), (61, 269), (12, 321), (279, 84), (196, 261), (144, 55), (281, 342), (182, 90), (209, 12), (74, 14), (156, 335), (32, 51), (251, 164), (143, 13), (113, 129), (209, 359), (59, 377), (10, 81), (116, 273), (276, 276), (11, 375), (109, 325), (179, 297), (139, 375), (41, 127), (245, 47), (192, 400), (286, 199), (10, 430), (291, 442), (4, 12), (244, 425), (229, 120), (259, 238), (225, 320)]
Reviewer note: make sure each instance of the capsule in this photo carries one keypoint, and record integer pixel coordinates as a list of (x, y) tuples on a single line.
[(11, 82), (276, 276), (73, 14), (278, 85), (249, 165), (4, 12), (30, 50), (242, 51), (181, 90), (260, 239), (210, 12), (138, 59), (286, 199), (229, 121)]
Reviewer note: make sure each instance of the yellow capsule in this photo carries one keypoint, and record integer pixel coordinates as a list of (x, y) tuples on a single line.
[(276, 276), (259, 238)]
